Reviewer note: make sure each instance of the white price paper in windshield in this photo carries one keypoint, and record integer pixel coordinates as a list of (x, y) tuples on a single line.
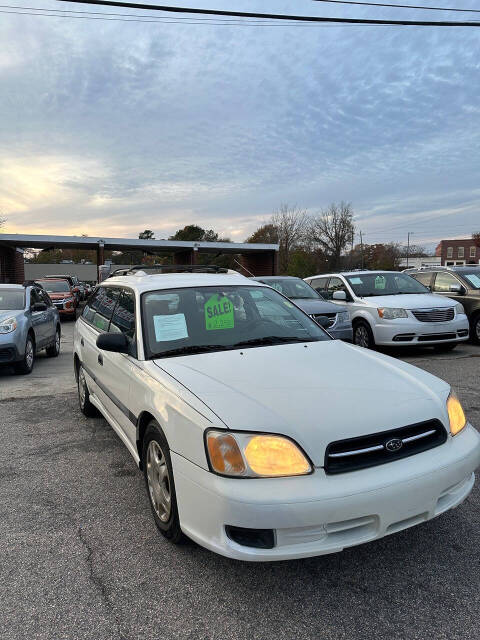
[(169, 328), (356, 280)]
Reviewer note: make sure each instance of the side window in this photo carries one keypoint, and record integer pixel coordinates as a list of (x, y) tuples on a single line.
[(444, 281), (123, 319), (423, 278), (35, 296), (318, 284), (46, 298), (100, 308), (335, 284)]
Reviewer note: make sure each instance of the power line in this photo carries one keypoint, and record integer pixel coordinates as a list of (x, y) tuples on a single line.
[(274, 16), (399, 6)]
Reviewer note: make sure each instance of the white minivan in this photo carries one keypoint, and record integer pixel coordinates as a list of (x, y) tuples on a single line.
[(389, 308)]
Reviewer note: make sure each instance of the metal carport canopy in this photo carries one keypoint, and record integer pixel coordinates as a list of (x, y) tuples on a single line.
[(123, 244)]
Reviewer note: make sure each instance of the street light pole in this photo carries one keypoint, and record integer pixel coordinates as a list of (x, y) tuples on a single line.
[(410, 233)]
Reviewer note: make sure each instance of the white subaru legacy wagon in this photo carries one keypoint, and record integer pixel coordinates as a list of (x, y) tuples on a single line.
[(259, 436)]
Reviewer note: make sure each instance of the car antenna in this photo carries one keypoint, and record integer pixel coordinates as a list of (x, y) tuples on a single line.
[(242, 267)]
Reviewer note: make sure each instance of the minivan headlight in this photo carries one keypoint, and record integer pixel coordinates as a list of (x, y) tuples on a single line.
[(456, 414), (391, 314), (8, 325), (343, 317), (459, 309), (254, 455)]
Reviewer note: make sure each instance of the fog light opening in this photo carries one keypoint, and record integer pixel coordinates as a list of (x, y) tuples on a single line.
[(257, 538)]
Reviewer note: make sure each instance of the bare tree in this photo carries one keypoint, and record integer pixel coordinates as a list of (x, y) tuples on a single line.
[(332, 230), (291, 224)]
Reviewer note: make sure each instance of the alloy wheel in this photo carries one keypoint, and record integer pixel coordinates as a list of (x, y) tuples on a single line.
[(362, 339), (29, 354), (82, 387), (158, 479)]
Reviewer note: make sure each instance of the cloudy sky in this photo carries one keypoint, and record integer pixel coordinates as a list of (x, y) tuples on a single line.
[(111, 127)]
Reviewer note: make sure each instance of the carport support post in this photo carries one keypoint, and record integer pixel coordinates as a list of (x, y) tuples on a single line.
[(100, 258)]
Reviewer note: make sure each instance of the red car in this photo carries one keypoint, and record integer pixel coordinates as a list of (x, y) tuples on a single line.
[(62, 296)]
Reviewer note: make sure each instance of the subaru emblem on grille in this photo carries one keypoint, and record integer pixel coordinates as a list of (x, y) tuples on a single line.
[(394, 444)]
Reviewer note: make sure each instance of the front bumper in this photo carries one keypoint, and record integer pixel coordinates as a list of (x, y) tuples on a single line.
[(408, 331), (342, 333), (320, 514), (9, 351)]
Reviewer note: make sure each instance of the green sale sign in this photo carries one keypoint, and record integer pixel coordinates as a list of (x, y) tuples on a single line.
[(219, 313)]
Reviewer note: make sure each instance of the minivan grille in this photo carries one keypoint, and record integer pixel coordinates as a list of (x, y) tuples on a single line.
[(434, 315), (379, 448)]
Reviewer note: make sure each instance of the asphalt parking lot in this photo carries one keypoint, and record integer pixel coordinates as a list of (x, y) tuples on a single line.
[(81, 557)]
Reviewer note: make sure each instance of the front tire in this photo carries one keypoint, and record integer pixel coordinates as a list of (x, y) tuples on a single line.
[(86, 407), (54, 350), (158, 473), (475, 329), (363, 335), (25, 366)]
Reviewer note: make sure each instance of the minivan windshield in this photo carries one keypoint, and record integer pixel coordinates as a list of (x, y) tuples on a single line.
[(472, 278), (201, 319), (384, 284), (12, 300), (55, 286), (293, 288)]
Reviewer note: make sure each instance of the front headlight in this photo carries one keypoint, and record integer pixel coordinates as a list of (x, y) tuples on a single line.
[(456, 414), (391, 314), (252, 455), (343, 317), (459, 309), (8, 325)]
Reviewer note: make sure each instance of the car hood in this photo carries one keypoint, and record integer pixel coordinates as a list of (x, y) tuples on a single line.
[(311, 306), (315, 393), (410, 301), (4, 315)]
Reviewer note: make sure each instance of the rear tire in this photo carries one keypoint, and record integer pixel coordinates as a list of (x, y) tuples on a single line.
[(54, 350), (444, 348), (363, 335), (25, 366), (86, 407), (158, 473)]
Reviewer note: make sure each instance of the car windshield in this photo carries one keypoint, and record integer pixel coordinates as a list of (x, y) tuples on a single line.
[(384, 284), (200, 319), (295, 289), (473, 279), (12, 300), (55, 286)]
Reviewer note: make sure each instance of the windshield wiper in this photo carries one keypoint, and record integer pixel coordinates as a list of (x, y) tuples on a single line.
[(182, 351), (270, 340)]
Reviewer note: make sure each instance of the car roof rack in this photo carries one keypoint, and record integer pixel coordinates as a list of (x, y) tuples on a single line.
[(175, 268)]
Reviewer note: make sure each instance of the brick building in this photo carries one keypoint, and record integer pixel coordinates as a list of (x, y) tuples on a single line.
[(458, 252), (11, 265)]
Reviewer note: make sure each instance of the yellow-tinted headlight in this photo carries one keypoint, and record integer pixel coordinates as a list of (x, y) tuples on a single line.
[(275, 456), (251, 455), (456, 414)]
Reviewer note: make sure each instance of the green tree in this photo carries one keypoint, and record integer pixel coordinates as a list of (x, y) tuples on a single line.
[(266, 234), (146, 235), (190, 233)]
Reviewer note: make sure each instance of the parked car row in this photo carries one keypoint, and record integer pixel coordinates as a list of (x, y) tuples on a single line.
[(260, 436)]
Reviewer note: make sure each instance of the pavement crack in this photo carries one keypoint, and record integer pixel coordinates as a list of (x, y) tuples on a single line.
[(99, 583)]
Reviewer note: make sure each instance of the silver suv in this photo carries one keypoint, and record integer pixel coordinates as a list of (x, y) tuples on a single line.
[(28, 323)]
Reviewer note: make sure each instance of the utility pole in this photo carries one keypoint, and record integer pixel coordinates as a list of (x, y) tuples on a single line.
[(410, 233), (351, 252), (361, 246)]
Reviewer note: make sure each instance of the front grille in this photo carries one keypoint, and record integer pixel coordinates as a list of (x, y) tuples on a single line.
[(379, 448), (332, 318), (434, 315), (437, 336)]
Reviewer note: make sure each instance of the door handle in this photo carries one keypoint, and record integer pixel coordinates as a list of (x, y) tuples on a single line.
[(100, 359), (82, 342)]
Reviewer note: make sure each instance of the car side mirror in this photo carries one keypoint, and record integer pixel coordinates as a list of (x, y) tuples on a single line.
[(115, 342), (339, 295), (458, 289), (39, 306)]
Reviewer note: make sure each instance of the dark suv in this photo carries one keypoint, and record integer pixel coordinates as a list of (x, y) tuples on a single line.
[(462, 284)]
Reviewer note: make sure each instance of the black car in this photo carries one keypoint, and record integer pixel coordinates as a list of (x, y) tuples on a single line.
[(331, 316), (462, 284)]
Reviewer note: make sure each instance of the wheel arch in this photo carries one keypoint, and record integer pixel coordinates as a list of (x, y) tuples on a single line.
[(143, 421), (76, 365)]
